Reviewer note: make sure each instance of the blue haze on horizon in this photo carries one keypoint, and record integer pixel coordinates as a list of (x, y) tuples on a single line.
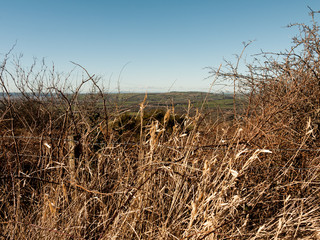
[(161, 45)]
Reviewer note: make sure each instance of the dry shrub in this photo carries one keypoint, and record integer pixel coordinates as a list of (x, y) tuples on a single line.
[(72, 177)]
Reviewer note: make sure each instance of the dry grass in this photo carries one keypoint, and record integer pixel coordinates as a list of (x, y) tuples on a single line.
[(73, 177)]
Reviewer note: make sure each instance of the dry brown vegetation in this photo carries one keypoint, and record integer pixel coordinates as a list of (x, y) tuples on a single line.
[(68, 172)]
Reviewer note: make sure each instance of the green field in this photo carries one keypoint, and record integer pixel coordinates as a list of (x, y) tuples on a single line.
[(179, 100)]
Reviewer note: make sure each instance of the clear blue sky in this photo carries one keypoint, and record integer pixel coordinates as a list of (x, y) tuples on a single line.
[(165, 42)]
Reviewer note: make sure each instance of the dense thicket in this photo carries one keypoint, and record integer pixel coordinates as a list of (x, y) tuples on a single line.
[(73, 166)]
